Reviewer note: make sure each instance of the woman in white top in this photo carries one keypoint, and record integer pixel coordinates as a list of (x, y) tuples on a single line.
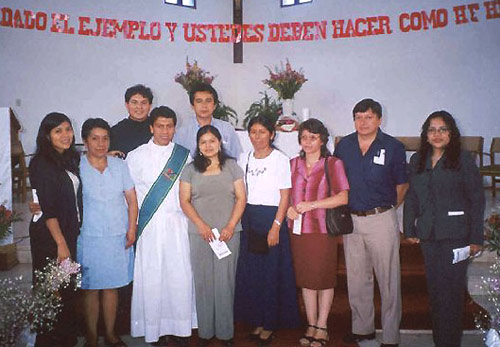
[(265, 283)]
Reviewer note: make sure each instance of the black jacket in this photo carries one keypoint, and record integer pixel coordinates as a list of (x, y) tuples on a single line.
[(445, 204), (57, 200)]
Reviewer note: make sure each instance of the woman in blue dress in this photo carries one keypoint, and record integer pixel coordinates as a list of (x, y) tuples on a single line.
[(266, 296), (108, 230)]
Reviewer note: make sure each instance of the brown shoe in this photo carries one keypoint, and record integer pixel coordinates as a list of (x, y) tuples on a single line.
[(352, 338)]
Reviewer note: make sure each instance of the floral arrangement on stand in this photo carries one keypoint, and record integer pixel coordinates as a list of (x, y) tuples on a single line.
[(24, 310), (286, 82), (7, 217), (194, 75)]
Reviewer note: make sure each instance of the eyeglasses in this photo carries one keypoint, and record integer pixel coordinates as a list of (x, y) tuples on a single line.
[(441, 130)]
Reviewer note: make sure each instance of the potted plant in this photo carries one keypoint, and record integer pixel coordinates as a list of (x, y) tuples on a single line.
[(195, 74), (8, 251), (286, 82), (266, 106)]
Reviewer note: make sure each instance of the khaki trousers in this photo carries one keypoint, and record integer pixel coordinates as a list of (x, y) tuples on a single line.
[(374, 247)]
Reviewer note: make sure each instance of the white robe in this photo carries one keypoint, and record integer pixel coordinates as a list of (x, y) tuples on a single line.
[(163, 300)]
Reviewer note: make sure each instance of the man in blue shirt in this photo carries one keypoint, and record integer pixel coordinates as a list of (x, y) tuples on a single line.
[(204, 99), (375, 165)]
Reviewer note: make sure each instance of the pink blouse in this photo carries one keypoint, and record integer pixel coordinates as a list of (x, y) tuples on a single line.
[(315, 187)]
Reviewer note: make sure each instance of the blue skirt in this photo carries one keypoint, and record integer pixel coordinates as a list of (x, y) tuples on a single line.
[(265, 295), (105, 263)]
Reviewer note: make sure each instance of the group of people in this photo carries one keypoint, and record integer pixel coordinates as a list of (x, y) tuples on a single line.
[(180, 191)]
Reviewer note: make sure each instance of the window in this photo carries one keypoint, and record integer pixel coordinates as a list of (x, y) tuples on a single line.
[(286, 3), (185, 3)]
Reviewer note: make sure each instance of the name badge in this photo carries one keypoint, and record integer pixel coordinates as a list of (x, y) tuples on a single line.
[(380, 159), (455, 213)]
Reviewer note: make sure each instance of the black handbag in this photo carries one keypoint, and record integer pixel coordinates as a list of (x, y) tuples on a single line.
[(338, 219)]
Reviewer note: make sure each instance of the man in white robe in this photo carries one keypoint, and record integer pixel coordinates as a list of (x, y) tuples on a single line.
[(163, 300)]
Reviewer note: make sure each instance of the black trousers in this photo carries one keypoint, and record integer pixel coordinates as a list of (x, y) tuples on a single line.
[(64, 332), (446, 283)]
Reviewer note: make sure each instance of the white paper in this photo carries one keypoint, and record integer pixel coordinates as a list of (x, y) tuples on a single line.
[(297, 225), (399, 215), (455, 213), (380, 160), (220, 248), (37, 215), (460, 254)]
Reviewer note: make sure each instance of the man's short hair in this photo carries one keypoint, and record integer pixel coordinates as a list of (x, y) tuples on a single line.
[(367, 104), (162, 111), (203, 87), (140, 89)]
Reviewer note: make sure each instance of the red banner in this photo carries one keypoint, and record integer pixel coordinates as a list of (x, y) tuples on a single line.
[(249, 33)]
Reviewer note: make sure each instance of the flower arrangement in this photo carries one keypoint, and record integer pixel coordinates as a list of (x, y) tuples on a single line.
[(489, 323), (7, 217), (492, 232), (36, 309), (193, 75), (285, 81)]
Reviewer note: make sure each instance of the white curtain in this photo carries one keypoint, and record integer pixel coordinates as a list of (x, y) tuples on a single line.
[(5, 169)]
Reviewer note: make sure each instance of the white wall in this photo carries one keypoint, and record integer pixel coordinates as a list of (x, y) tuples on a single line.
[(411, 74)]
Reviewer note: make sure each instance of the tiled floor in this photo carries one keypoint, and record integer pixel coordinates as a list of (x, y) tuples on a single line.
[(408, 338)]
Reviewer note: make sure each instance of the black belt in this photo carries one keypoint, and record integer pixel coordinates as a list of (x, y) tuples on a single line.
[(373, 211)]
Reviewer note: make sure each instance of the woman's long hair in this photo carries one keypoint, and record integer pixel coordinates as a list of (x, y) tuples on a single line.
[(314, 126), (451, 152), (69, 159), (200, 162)]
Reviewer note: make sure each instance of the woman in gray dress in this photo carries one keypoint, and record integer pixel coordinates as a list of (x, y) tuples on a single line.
[(212, 195)]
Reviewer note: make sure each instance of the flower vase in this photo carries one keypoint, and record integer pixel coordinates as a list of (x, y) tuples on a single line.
[(287, 105)]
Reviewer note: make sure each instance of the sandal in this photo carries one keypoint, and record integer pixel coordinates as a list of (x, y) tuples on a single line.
[(118, 343), (254, 336), (305, 340), (321, 342), (266, 341), (88, 344)]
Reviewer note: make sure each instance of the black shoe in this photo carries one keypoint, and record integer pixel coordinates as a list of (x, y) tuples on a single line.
[(389, 345), (162, 342), (267, 341), (180, 341), (203, 342), (355, 338), (227, 343), (118, 343), (253, 337)]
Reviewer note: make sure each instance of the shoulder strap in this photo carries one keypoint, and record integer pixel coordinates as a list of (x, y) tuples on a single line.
[(294, 164), (246, 172), (327, 176)]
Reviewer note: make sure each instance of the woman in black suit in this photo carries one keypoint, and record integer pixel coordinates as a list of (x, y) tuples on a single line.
[(54, 175), (443, 211)]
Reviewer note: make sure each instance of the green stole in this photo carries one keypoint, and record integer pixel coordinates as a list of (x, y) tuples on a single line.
[(162, 186)]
